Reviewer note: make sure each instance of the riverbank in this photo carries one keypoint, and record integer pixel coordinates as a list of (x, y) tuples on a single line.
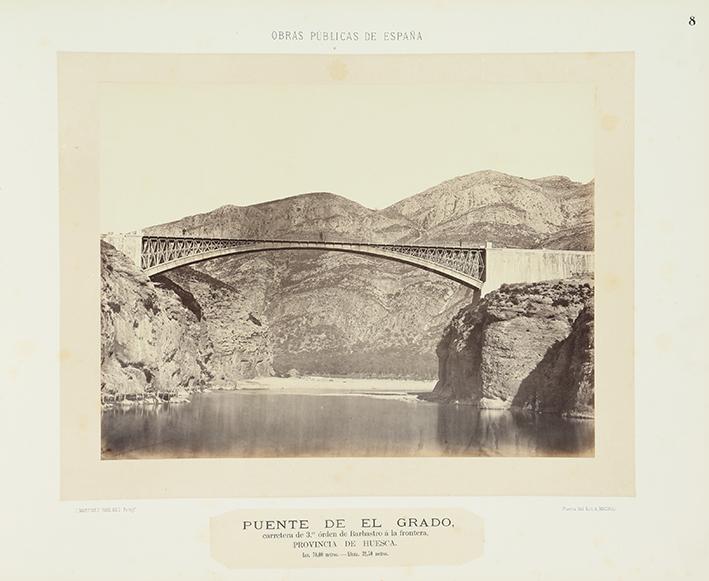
[(317, 383), (313, 385)]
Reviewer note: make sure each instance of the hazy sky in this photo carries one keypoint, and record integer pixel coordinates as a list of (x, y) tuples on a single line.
[(169, 150)]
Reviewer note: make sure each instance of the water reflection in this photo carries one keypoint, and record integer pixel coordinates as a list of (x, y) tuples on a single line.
[(266, 424), (466, 430)]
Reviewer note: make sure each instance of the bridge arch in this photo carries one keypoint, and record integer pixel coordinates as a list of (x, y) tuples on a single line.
[(173, 254)]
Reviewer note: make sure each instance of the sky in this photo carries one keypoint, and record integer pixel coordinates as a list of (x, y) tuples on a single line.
[(173, 150)]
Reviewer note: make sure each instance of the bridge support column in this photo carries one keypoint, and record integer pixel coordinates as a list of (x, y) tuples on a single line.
[(129, 244), (477, 295)]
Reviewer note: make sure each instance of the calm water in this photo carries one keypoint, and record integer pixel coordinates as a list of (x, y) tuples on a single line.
[(267, 423)]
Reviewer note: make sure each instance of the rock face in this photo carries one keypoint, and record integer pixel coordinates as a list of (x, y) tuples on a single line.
[(241, 343), (176, 333), (339, 314), (346, 315), (151, 341), (526, 345), (563, 381)]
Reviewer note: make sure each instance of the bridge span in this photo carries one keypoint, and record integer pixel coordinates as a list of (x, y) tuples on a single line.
[(480, 268)]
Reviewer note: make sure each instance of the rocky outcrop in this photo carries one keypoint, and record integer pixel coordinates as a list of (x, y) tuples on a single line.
[(181, 331), (240, 341), (528, 345), (152, 340)]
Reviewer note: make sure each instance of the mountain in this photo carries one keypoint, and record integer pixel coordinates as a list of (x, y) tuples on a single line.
[(485, 206), (332, 313), (490, 206), (304, 217)]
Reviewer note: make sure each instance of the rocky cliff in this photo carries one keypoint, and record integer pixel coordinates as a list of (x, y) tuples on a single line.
[(241, 342), (524, 345), (340, 314), (152, 340), (175, 333), (563, 380)]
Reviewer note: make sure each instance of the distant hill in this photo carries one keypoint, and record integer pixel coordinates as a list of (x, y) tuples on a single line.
[(305, 216)]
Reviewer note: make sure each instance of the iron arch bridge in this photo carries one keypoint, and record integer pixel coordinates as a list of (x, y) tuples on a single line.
[(161, 253)]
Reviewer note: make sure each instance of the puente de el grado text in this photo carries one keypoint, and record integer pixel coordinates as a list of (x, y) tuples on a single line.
[(482, 268)]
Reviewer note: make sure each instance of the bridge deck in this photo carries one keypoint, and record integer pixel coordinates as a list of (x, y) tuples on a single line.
[(463, 263), (477, 267)]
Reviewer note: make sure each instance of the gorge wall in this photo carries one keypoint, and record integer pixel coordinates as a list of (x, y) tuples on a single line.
[(527, 345), (173, 334), (150, 339)]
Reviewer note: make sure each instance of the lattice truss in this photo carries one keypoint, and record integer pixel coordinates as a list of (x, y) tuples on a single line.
[(158, 250), (469, 261)]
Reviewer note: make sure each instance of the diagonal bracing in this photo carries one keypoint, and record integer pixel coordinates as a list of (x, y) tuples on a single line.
[(161, 250)]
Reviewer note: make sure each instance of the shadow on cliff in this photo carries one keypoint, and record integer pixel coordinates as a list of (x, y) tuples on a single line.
[(187, 299), (527, 396), (563, 381)]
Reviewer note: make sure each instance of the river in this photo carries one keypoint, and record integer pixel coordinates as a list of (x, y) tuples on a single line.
[(310, 417)]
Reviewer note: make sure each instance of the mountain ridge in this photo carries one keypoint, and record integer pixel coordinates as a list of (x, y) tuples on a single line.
[(484, 206)]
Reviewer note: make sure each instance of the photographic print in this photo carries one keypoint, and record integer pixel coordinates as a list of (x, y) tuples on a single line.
[(346, 269), (309, 296)]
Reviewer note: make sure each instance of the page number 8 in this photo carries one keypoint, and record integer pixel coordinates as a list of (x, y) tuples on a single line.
[(692, 22)]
